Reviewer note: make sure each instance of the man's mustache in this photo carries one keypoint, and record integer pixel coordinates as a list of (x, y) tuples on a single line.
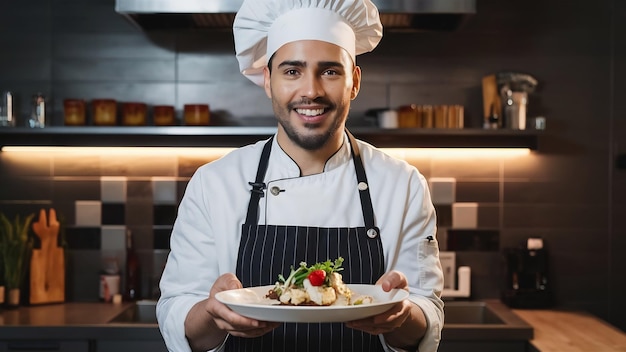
[(305, 101)]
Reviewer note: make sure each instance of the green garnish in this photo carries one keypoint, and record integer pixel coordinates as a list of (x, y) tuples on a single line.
[(296, 276)]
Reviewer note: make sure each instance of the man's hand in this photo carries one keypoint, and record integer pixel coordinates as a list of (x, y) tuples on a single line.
[(209, 321), (227, 320), (392, 318), (403, 325)]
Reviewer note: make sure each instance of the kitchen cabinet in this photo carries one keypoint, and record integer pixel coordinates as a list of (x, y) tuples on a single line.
[(483, 346), (44, 345), (232, 136), (130, 345)]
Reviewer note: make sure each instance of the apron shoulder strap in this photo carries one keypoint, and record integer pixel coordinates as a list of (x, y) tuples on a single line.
[(258, 185), (363, 187)]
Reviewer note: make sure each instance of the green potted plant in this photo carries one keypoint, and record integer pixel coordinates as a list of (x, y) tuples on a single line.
[(16, 246)]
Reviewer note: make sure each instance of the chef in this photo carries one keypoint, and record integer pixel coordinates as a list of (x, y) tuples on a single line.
[(310, 193)]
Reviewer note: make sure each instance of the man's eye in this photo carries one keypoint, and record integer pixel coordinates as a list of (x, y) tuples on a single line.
[(291, 72), (330, 73)]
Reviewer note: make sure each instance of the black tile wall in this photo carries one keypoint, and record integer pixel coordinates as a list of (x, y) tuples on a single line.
[(113, 214), (569, 192), (83, 237)]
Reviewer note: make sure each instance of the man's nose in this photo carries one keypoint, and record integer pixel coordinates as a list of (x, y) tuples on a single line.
[(312, 86)]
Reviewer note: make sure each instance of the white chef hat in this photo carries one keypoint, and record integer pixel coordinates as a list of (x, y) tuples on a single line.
[(262, 26)]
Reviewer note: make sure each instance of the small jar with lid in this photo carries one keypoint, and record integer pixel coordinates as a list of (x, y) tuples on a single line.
[(134, 114), (104, 112), (164, 115), (74, 112), (408, 116), (196, 114)]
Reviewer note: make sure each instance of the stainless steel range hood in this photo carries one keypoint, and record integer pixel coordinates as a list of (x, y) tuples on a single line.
[(404, 15)]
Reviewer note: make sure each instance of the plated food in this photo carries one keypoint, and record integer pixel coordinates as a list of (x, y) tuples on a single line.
[(311, 294), (320, 284), (253, 303)]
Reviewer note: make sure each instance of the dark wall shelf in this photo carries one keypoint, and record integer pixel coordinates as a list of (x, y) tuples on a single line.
[(189, 136)]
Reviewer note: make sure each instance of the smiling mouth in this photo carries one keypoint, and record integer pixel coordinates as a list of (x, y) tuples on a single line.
[(310, 112)]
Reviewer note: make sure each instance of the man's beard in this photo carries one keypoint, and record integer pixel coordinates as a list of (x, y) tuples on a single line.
[(311, 142)]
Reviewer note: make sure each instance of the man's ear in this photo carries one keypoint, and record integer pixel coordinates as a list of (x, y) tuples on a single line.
[(356, 82), (267, 85)]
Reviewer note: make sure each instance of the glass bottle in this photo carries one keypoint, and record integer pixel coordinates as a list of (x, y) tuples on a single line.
[(133, 280), (7, 115)]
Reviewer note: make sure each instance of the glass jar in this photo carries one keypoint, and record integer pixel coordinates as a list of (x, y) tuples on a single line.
[(427, 116), (408, 116), (134, 114), (104, 112), (196, 114), (74, 112), (38, 111), (164, 115)]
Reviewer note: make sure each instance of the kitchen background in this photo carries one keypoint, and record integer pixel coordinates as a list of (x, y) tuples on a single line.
[(570, 192)]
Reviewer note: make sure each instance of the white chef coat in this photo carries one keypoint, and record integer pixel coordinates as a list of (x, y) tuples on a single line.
[(205, 238)]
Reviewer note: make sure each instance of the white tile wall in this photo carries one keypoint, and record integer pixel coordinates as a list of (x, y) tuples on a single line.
[(465, 215), (442, 190), (164, 190), (113, 189), (88, 212)]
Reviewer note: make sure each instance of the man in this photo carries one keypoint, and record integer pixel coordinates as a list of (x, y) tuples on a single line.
[(310, 193)]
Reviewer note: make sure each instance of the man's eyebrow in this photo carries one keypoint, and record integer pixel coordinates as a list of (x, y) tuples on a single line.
[(296, 63), (325, 64)]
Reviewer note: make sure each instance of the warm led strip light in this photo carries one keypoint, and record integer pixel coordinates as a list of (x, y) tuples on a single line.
[(402, 153), (415, 153), (121, 150)]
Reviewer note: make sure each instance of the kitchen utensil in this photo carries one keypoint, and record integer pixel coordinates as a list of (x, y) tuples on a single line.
[(47, 265)]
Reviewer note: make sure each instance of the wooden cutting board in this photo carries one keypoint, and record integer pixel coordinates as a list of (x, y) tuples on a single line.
[(47, 265)]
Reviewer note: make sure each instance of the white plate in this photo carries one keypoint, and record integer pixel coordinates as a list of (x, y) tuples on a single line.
[(251, 302)]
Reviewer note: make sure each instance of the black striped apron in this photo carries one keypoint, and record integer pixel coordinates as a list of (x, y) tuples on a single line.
[(268, 250)]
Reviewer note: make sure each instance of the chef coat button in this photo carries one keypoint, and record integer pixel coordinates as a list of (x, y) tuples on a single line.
[(275, 190), (362, 186), (372, 233)]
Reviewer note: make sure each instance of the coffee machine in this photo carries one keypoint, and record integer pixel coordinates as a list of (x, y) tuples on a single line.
[(505, 97), (526, 281)]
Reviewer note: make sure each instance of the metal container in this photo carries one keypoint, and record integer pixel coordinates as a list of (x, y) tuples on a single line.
[(515, 110)]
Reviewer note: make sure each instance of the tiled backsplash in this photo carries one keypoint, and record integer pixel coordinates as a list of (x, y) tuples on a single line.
[(99, 210)]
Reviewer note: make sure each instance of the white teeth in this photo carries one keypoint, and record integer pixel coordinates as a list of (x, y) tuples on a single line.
[(310, 112)]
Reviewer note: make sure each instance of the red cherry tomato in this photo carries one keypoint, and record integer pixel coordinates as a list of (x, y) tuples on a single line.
[(317, 277)]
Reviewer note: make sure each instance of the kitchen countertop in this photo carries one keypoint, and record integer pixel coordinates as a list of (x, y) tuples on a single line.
[(72, 321), (554, 330), (559, 331)]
